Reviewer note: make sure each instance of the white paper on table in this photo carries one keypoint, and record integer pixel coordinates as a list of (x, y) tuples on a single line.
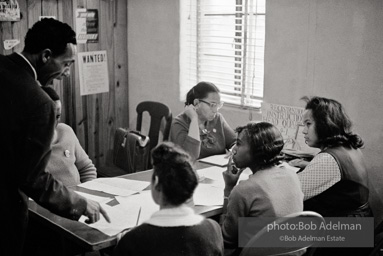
[(206, 194), (116, 186), (215, 175), (120, 219), (144, 200), (220, 160), (100, 199)]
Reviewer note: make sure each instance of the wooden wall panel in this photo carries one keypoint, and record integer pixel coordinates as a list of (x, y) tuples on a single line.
[(79, 101), (6, 34), (121, 65), (20, 28), (34, 11), (65, 14), (106, 100), (94, 118), (91, 105)]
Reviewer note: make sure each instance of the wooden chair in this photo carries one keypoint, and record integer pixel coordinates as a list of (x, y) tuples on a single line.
[(378, 241), (157, 112), (253, 247)]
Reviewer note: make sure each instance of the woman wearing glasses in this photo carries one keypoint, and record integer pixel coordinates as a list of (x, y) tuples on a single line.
[(200, 129)]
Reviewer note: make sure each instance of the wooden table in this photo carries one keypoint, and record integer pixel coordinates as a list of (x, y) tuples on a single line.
[(78, 237)]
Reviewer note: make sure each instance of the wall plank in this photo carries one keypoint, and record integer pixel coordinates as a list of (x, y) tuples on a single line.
[(34, 11), (121, 66), (6, 34), (80, 102), (92, 101), (68, 95), (20, 28), (107, 112)]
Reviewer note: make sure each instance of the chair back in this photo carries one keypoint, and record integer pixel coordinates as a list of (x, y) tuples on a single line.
[(157, 112), (378, 240), (253, 247)]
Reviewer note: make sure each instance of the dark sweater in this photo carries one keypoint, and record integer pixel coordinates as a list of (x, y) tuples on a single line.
[(202, 239), (349, 196)]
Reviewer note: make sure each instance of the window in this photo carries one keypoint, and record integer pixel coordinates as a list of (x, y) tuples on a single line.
[(222, 41)]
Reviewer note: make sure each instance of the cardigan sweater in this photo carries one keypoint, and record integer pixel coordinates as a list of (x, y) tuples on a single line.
[(274, 192), (178, 231), (217, 136), (69, 163)]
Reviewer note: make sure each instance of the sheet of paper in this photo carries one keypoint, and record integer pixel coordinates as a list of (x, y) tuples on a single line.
[(205, 194), (143, 200), (213, 176), (121, 219), (116, 186), (213, 173), (219, 160), (99, 199)]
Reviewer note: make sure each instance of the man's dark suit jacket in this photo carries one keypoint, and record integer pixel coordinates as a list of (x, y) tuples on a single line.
[(27, 124)]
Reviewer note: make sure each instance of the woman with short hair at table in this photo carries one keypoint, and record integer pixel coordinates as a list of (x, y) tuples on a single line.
[(68, 162), (335, 182), (175, 229), (200, 129), (271, 191)]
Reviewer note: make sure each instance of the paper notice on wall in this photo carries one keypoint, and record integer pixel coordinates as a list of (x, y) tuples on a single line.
[(9, 44), (87, 26), (93, 72), (286, 118), (47, 17), (9, 10)]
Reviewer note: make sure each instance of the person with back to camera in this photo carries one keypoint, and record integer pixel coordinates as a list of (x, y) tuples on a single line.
[(28, 116), (200, 129), (335, 182), (271, 191), (175, 229), (69, 162)]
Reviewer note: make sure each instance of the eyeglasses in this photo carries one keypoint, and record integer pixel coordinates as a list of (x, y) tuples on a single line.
[(213, 104)]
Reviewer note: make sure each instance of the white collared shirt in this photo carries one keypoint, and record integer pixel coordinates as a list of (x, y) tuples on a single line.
[(182, 215)]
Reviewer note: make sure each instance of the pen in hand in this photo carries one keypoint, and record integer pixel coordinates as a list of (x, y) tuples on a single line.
[(138, 217)]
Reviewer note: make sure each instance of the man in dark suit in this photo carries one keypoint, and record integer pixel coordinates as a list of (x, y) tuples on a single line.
[(27, 124)]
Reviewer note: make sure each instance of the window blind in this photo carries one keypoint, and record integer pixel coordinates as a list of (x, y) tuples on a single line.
[(222, 41)]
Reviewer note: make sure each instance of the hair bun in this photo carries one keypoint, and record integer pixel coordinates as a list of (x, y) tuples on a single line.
[(161, 154), (166, 152)]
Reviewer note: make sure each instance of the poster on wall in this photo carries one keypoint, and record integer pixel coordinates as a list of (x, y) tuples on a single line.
[(289, 120), (93, 72), (87, 26), (9, 10), (285, 118)]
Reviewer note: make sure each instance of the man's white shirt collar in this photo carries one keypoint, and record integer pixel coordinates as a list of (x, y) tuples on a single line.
[(34, 70)]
